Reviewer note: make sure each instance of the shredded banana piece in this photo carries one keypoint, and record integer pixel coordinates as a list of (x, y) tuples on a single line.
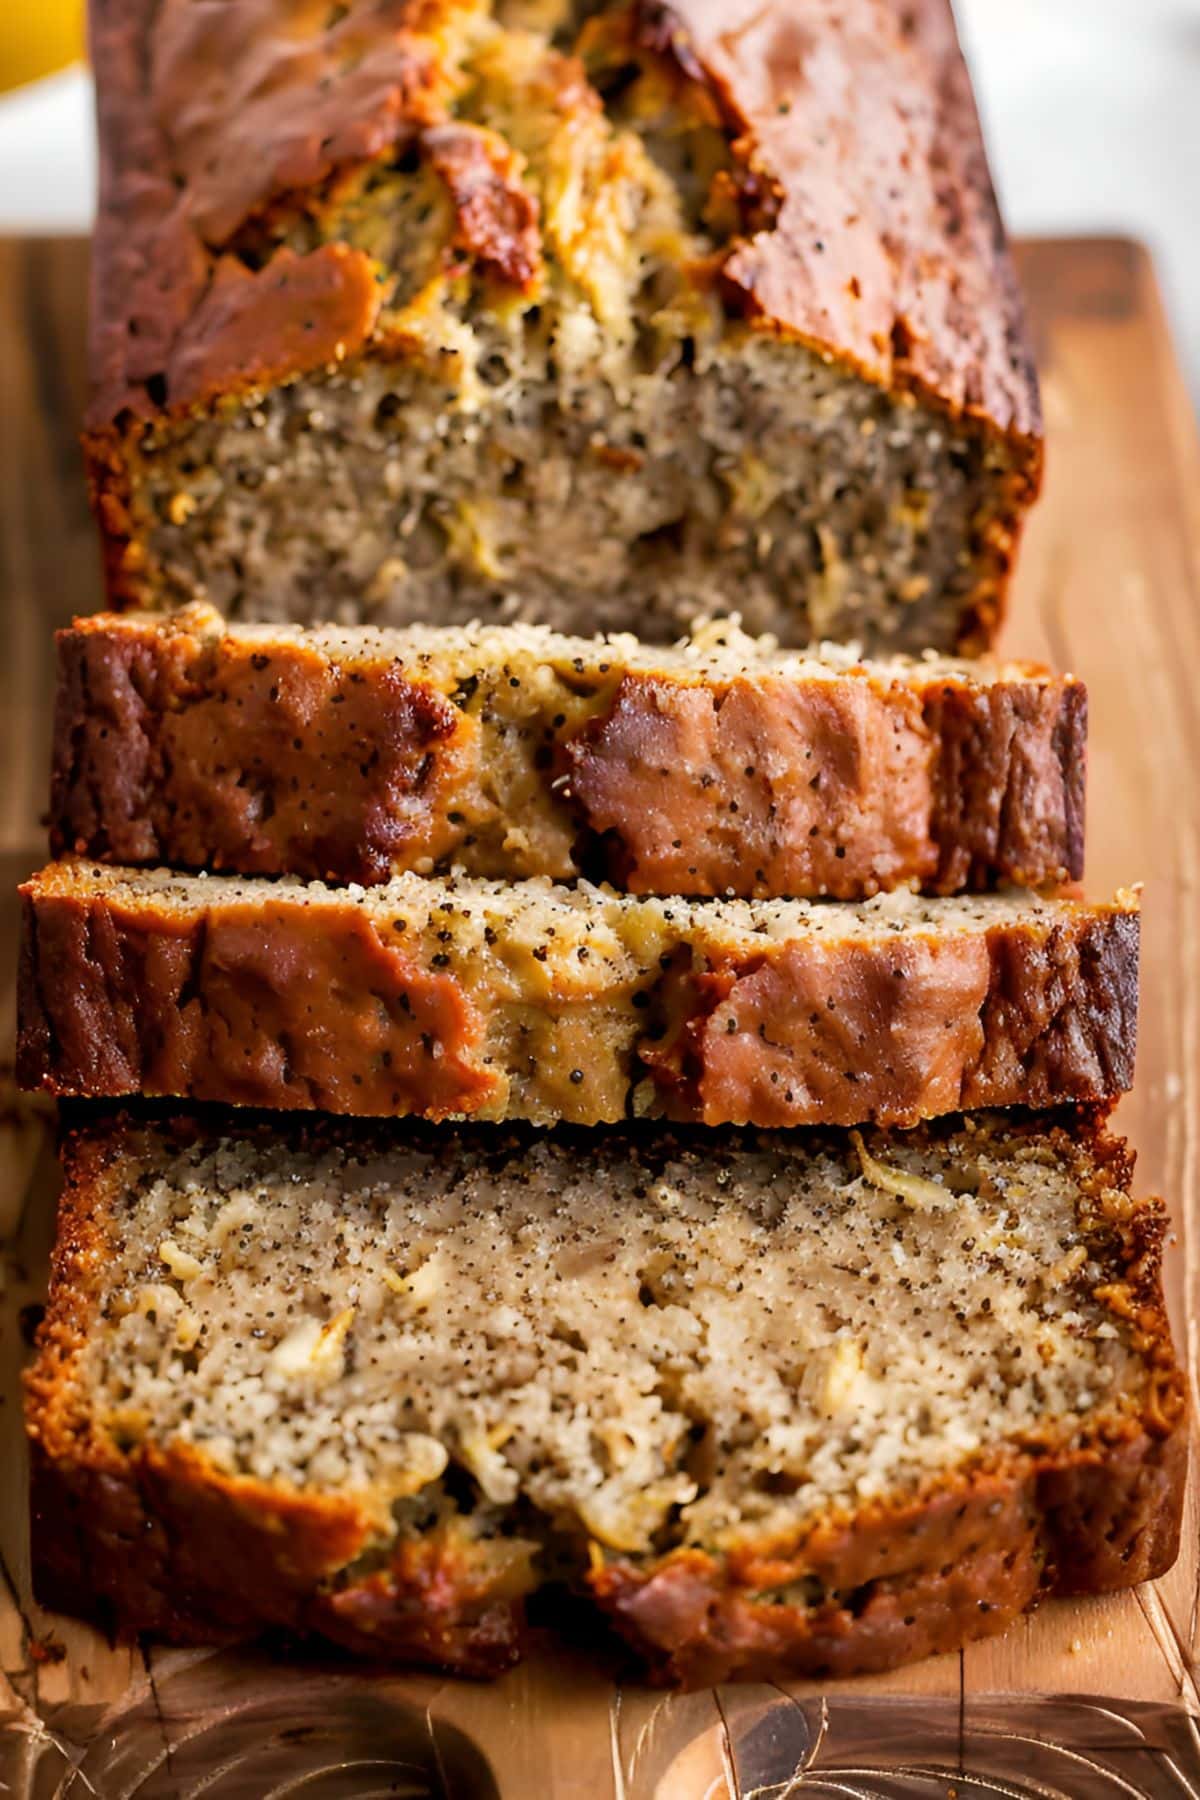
[(182, 1264), (914, 1190), (312, 1348)]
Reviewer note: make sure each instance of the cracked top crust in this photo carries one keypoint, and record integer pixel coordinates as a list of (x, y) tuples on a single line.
[(860, 218), (887, 247)]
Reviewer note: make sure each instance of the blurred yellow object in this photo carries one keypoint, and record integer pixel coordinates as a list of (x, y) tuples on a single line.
[(37, 37)]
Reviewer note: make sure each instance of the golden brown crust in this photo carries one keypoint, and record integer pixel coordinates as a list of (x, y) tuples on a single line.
[(176, 745), (1009, 785), (171, 748), (900, 1583), (157, 1540), (909, 280), (160, 1546), (272, 1002), (209, 119), (913, 1028), (235, 1004), (206, 118), (766, 786), (254, 329)]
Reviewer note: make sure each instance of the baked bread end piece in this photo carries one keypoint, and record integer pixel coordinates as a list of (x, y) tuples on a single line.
[(603, 321)]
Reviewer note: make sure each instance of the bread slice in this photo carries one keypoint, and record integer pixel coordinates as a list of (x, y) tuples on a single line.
[(589, 314), (532, 1001), (723, 766), (790, 1404)]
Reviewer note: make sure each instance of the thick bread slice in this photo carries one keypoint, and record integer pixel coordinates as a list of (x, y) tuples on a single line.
[(591, 314), (538, 1002), (721, 767), (796, 1404)]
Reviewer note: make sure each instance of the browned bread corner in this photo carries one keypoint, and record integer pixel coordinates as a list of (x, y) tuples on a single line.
[(527, 1000), (382, 1383), (432, 311), (722, 766)]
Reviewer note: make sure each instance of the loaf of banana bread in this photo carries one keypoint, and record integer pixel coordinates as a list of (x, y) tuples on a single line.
[(530, 1001), (599, 314), (795, 1404), (722, 766)]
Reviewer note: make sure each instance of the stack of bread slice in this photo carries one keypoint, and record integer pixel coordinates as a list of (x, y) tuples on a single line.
[(778, 1400), (552, 1111)]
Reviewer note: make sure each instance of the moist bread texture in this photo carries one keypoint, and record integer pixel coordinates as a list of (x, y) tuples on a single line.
[(530, 1001), (720, 766), (797, 1404), (588, 314)]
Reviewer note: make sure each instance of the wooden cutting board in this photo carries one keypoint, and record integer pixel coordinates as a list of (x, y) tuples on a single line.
[(1108, 587)]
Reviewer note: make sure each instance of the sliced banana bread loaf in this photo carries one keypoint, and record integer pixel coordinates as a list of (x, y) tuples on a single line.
[(595, 314), (723, 766), (539, 1002), (802, 1404)]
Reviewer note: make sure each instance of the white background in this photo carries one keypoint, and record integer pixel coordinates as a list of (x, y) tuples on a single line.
[(1092, 109)]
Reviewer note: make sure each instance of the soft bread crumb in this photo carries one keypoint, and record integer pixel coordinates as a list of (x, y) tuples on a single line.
[(650, 1340)]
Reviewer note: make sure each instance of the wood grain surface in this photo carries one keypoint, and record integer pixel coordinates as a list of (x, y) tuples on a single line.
[(1110, 587)]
